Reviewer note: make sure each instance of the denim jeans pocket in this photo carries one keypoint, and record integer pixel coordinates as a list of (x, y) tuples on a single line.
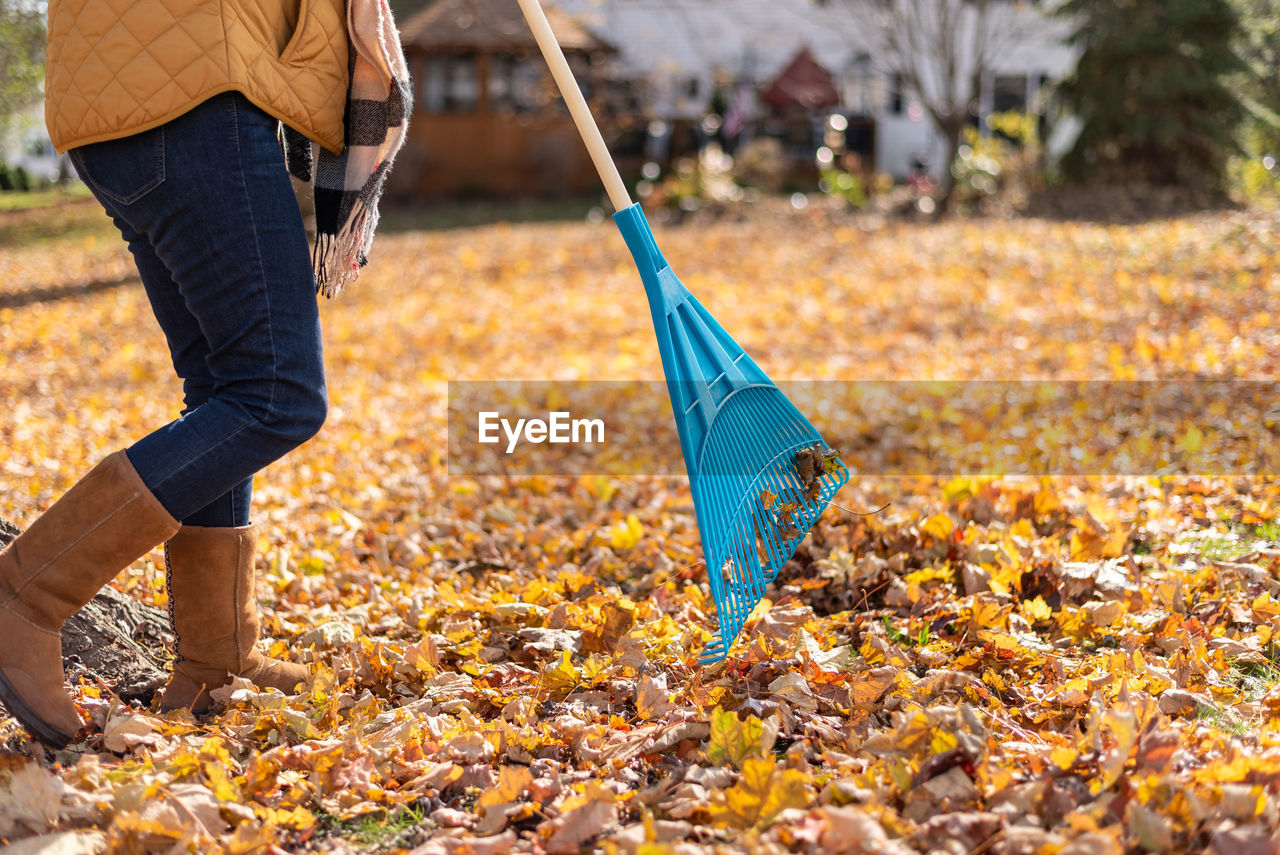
[(123, 170)]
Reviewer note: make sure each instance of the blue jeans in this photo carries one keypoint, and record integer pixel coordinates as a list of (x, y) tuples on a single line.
[(207, 208)]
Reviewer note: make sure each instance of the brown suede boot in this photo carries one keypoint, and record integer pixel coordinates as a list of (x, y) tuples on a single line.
[(99, 527), (215, 618)]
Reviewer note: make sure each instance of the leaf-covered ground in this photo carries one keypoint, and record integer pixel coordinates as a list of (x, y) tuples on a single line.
[(1004, 665)]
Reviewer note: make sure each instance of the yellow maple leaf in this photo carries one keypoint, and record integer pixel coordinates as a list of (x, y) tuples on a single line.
[(1064, 757), (297, 817), (1191, 441), (1037, 610), (133, 822), (561, 678), (1045, 502), (942, 740), (732, 740), (656, 849), (602, 488), (593, 792), (987, 613), (1265, 608), (957, 488), (1123, 724), (939, 526), (763, 792), (221, 784), (512, 781), (626, 534), (250, 838)]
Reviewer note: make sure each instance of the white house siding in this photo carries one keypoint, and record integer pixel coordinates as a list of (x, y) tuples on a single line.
[(902, 140)]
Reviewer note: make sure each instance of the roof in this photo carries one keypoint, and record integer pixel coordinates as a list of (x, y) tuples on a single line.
[(804, 83), (489, 24)]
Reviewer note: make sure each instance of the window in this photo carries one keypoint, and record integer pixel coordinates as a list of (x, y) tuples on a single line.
[(898, 95), (1009, 93), (451, 84), (513, 84)]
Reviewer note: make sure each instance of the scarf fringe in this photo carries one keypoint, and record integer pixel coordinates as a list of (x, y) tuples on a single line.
[(337, 258)]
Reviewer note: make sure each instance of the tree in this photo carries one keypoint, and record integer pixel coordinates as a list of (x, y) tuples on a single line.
[(1151, 91), (1259, 88), (942, 50), (22, 41)]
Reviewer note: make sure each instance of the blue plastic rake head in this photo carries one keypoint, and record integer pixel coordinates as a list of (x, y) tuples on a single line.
[(740, 436)]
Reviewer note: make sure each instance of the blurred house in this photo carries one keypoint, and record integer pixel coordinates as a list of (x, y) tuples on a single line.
[(487, 118), (738, 58), (667, 76)]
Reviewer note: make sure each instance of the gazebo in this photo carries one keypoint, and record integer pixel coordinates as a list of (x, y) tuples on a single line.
[(487, 120)]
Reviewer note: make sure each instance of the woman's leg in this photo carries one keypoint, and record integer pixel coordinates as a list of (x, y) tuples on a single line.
[(211, 205), (189, 351), (209, 562)]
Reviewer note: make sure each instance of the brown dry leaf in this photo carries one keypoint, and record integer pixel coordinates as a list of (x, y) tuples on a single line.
[(651, 698), (30, 800), (126, 732), (61, 843), (503, 800), (851, 831), (582, 818)]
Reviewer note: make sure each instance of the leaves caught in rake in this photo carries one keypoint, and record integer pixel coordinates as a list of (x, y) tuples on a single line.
[(758, 503)]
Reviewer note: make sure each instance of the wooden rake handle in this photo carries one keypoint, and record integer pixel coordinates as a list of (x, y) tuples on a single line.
[(578, 109)]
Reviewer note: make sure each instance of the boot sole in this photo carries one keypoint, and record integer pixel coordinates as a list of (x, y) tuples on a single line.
[(36, 726)]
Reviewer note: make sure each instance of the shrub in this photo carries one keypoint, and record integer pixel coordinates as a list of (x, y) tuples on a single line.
[(763, 163), (1009, 162), (1255, 175), (846, 186), (697, 183)]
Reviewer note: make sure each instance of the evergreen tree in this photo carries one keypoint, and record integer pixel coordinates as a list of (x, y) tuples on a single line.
[(1151, 89)]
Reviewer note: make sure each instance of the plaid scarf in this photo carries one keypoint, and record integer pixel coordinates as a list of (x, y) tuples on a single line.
[(347, 185)]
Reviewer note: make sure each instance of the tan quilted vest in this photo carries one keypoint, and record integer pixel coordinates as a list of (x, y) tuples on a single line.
[(119, 67)]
